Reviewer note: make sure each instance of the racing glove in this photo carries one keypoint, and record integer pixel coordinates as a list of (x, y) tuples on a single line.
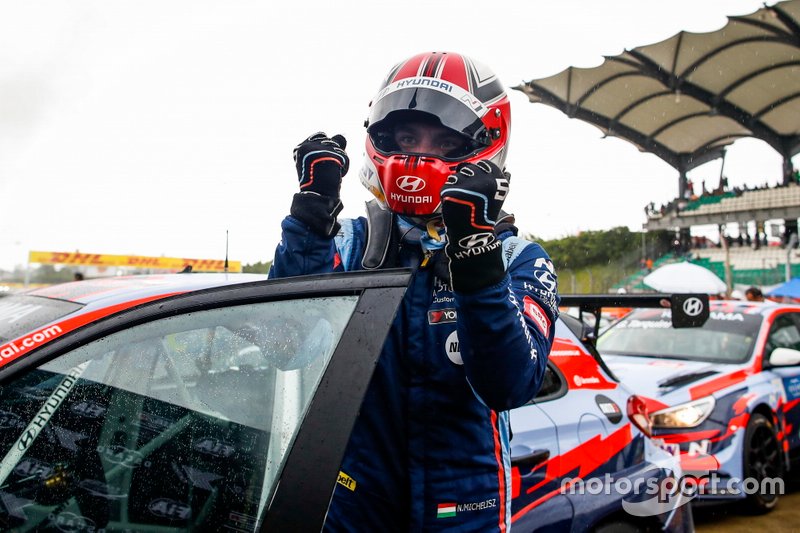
[(471, 202), (321, 162)]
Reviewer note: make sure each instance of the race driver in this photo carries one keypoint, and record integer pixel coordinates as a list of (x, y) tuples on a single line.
[(430, 448)]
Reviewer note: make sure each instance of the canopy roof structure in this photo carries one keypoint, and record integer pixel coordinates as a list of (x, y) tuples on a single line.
[(688, 97)]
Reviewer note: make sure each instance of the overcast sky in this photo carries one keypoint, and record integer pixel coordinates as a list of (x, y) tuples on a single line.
[(152, 127)]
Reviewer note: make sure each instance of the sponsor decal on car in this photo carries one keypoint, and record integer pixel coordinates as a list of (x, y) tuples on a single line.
[(241, 522), (17, 347), (88, 409), (718, 315), (609, 408), (580, 381), (120, 455), (213, 446), (195, 477), (102, 490), (42, 418), (152, 422), (718, 383), (29, 341), (578, 462), (69, 522), (565, 353), (9, 420), (792, 387), (29, 467), (168, 508)]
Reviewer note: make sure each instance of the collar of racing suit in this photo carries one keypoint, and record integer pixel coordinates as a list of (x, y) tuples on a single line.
[(387, 232)]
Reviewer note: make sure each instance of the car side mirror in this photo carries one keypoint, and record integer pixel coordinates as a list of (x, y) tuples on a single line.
[(587, 333), (784, 357)]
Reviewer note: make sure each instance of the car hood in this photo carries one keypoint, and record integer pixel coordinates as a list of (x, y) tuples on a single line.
[(664, 379)]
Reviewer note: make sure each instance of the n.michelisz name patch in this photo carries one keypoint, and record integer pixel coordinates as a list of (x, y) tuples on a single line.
[(449, 510)]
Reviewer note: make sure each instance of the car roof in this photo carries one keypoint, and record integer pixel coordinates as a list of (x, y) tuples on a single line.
[(103, 292)]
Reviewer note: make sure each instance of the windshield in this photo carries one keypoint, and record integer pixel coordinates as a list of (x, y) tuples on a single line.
[(21, 314), (727, 337)]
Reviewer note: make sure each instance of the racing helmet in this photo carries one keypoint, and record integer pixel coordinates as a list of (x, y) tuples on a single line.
[(446, 90)]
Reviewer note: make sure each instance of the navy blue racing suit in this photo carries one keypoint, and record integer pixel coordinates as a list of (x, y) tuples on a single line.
[(430, 448)]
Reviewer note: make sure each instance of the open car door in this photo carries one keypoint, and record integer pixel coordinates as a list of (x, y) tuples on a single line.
[(220, 409)]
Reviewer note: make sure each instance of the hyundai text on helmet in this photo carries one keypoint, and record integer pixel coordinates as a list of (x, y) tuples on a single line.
[(457, 98)]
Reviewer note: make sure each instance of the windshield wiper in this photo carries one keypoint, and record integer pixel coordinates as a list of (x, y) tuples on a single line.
[(684, 379), (648, 355)]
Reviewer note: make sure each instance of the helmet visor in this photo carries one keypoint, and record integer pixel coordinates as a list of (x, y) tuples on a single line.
[(455, 108)]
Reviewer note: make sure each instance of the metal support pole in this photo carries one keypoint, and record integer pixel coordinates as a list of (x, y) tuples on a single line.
[(728, 274), (682, 185), (787, 169), (789, 247)]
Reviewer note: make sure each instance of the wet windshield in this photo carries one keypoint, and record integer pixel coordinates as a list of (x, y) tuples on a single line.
[(21, 314), (727, 337)]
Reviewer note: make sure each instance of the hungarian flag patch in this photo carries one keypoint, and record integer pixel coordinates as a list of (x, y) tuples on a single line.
[(446, 510)]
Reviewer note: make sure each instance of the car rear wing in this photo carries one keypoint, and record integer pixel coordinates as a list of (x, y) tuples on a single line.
[(689, 310)]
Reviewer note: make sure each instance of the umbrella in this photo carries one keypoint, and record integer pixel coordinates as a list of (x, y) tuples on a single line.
[(685, 277), (791, 289)]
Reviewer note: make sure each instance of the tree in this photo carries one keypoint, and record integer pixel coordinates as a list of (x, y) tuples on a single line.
[(257, 268)]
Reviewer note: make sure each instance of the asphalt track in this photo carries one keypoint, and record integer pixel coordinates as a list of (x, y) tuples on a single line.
[(732, 518)]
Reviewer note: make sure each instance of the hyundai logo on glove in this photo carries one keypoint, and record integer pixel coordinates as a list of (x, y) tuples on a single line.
[(410, 183), (479, 239)]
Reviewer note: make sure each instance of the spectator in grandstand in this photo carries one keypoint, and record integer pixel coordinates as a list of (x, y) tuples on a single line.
[(78, 276), (754, 294)]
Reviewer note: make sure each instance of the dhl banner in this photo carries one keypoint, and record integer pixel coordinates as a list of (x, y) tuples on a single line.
[(132, 261)]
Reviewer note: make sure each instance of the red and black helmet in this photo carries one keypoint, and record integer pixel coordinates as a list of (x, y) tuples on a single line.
[(442, 88)]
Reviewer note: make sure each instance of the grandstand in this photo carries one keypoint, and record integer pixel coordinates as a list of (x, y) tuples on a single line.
[(749, 205), (765, 266), (753, 259)]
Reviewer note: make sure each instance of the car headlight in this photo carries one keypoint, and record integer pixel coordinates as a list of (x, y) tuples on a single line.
[(687, 415)]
